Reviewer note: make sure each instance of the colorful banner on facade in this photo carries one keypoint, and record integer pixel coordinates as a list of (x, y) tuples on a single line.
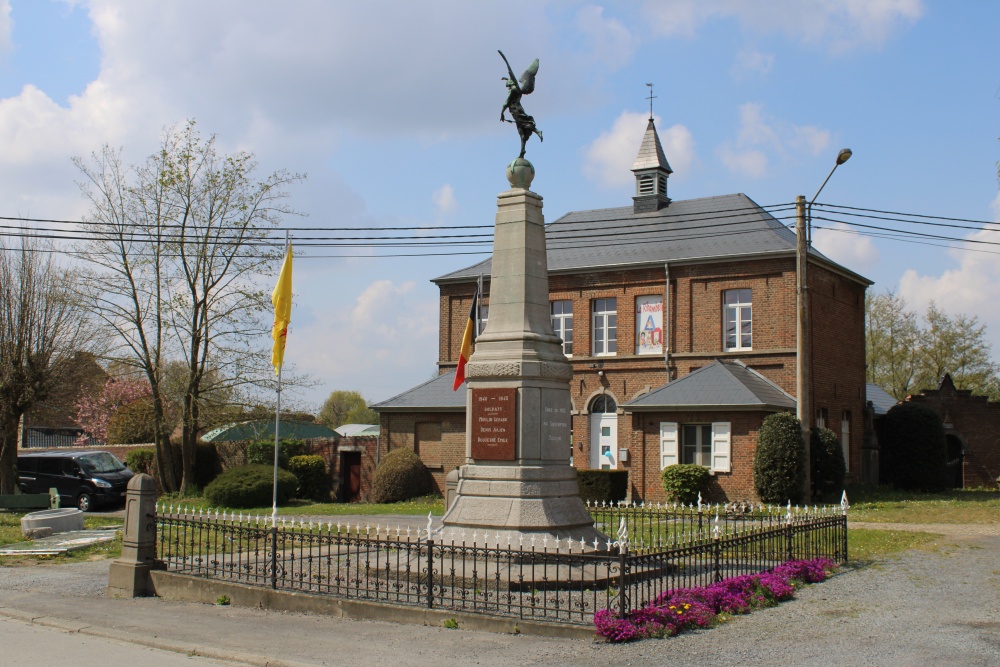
[(649, 324)]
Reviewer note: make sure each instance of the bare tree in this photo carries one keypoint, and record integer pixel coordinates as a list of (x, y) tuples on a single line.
[(193, 225), (41, 330)]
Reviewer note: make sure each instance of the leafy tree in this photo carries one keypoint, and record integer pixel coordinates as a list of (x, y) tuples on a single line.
[(177, 258), (41, 330), (95, 413), (956, 345), (346, 407), (892, 337), (828, 467), (905, 354)]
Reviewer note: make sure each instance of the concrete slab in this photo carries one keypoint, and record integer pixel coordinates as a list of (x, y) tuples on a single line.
[(60, 543)]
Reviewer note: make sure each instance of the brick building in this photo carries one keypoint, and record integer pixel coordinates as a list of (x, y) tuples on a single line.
[(970, 431), (657, 303)]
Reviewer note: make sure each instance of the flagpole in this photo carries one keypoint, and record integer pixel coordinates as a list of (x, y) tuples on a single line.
[(277, 428)]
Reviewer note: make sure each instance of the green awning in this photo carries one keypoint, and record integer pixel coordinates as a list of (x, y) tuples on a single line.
[(263, 429)]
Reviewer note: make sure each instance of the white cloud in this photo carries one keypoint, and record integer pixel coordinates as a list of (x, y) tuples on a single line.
[(857, 253), (761, 136), (971, 286), (610, 41), (751, 61), (609, 158), (836, 25), (6, 26), (444, 199)]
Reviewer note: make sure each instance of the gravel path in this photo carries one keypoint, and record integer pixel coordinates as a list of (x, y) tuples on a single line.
[(934, 606)]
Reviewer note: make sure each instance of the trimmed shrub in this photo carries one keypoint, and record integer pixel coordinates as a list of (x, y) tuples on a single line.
[(250, 486), (132, 424), (779, 462), (684, 481), (914, 453), (207, 464), (261, 452), (141, 460), (314, 481), (602, 485), (400, 476), (828, 467)]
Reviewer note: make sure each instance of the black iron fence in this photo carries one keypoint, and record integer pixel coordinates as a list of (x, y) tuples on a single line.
[(50, 437), (555, 581)]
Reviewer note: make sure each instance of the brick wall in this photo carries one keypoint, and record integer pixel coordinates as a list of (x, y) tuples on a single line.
[(975, 420), (437, 437), (644, 448)]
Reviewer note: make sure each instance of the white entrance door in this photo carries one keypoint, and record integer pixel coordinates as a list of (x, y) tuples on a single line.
[(604, 433)]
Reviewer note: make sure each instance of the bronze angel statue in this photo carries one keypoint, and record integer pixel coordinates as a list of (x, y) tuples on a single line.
[(525, 123)]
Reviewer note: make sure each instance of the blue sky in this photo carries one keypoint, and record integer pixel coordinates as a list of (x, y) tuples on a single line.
[(392, 109)]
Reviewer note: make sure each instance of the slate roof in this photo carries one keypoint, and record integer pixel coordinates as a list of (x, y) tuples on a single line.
[(881, 399), (720, 384), (727, 226), (651, 154), (434, 394), (350, 430), (262, 429)]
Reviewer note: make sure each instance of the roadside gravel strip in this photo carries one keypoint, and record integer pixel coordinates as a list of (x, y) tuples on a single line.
[(935, 606)]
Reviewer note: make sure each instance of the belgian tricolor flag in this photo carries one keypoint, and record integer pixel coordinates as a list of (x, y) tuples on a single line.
[(467, 340)]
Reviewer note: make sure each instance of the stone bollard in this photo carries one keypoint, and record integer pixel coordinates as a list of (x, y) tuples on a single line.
[(129, 575)]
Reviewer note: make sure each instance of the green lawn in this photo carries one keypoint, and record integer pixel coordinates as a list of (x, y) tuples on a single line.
[(957, 506), (866, 545), (417, 506)]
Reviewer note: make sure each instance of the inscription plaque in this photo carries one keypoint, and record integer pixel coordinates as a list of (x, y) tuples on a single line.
[(494, 424)]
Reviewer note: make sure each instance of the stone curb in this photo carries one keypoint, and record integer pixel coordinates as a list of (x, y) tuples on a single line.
[(133, 638)]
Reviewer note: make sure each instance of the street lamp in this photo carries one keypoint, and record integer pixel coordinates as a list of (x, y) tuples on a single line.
[(843, 156), (803, 232)]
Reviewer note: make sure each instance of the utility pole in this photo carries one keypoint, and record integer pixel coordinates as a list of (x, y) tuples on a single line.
[(802, 398)]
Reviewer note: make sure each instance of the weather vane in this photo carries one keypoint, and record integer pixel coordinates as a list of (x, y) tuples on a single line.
[(651, 98), (525, 123)]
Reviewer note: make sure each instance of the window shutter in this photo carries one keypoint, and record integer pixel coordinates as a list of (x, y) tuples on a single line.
[(668, 444), (721, 445)]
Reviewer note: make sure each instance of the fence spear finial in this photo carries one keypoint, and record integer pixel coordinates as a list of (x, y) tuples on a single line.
[(844, 505)]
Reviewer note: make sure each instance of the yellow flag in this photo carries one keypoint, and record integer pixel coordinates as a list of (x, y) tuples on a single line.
[(281, 298)]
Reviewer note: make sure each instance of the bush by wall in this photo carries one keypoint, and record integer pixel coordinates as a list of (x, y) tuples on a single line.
[(684, 481), (400, 476), (250, 486), (779, 462), (828, 468), (602, 485), (914, 454), (314, 481), (261, 452), (141, 460)]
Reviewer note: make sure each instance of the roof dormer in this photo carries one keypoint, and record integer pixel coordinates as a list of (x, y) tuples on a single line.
[(651, 171)]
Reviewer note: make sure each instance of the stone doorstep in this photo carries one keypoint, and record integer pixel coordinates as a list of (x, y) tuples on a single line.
[(60, 543), (187, 588)]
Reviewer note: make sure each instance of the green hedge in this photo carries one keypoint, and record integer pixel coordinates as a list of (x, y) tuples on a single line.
[(684, 481), (142, 460), (602, 485), (779, 462), (250, 486), (400, 476), (914, 455), (261, 452), (314, 481)]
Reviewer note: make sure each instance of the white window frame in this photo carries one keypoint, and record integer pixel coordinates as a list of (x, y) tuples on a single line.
[(720, 444), (559, 321), (740, 310), (603, 318)]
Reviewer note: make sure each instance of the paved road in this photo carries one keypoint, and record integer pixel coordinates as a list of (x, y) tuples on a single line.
[(935, 606), (34, 645)]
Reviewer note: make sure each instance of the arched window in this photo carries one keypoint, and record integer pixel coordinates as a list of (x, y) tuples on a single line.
[(603, 404)]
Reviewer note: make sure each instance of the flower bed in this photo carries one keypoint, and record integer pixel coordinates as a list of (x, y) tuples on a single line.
[(689, 608)]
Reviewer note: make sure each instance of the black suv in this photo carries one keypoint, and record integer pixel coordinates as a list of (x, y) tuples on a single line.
[(84, 479)]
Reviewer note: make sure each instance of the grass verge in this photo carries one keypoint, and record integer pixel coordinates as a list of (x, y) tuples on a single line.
[(867, 546), (417, 506), (956, 506), (10, 532)]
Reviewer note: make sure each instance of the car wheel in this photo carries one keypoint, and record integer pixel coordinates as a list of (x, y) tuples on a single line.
[(84, 502)]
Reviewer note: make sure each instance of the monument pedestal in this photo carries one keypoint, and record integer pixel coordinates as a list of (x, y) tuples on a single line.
[(518, 483)]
